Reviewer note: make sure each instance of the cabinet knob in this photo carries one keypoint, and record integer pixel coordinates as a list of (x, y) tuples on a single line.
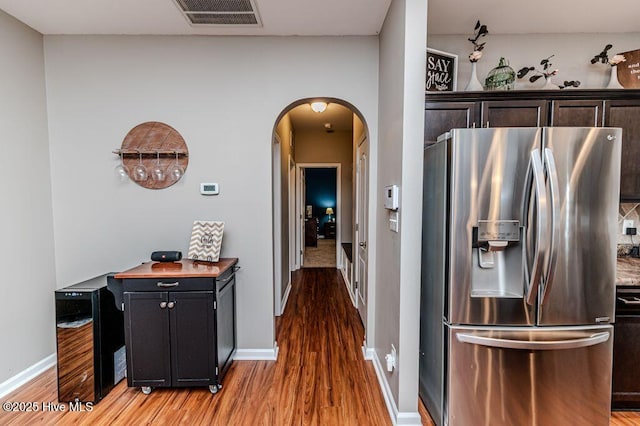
[(363, 244), (611, 137), (170, 305), (163, 305)]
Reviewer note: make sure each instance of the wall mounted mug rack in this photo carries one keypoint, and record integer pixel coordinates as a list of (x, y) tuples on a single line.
[(153, 154)]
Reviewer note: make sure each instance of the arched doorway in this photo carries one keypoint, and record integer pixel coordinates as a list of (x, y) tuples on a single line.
[(336, 137)]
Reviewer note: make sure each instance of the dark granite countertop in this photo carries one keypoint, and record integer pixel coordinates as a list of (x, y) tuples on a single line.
[(628, 271)]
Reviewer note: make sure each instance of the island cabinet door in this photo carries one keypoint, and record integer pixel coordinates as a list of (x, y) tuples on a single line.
[(191, 315), (147, 339)]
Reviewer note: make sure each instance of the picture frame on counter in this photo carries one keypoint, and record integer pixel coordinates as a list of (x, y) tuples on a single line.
[(442, 71), (206, 240)]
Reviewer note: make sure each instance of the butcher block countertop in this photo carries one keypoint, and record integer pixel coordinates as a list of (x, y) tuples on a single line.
[(628, 271), (183, 268)]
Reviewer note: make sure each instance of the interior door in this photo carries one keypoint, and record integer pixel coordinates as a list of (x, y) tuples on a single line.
[(293, 265), (302, 187), (362, 228)]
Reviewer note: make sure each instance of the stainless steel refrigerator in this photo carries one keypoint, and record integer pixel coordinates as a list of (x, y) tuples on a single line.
[(518, 276)]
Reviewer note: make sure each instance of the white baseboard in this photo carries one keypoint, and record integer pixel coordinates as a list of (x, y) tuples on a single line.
[(257, 354), (397, 418), (368, 353), (26, 375), (285, 298), (347, 284), (409, 419)]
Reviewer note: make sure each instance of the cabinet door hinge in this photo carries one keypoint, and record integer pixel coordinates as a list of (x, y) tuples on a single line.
[(122, 306), (216, 371), (356, 285), (215, 305)]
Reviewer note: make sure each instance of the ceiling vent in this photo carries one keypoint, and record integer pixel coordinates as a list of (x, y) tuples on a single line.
[(220, 12)]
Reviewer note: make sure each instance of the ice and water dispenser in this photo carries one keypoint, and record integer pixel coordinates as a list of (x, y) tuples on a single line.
[(497, 269)]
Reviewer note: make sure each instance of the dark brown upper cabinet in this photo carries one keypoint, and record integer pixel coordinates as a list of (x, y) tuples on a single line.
[(533, 108), (440, 117), (516, 113), (626, 114), (577, 113)]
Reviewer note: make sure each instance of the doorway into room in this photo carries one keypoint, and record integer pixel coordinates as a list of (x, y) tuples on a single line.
[(332, 142), (320, 198)]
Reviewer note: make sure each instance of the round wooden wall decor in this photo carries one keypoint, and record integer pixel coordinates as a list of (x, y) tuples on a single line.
[(154, 155)]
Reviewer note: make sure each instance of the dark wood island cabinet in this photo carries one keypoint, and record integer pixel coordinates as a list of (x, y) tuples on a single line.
[(180, 325), (532, 108)]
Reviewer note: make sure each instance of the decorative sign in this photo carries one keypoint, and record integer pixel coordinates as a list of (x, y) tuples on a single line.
[(629, 71), (442, 71), (206, 241)]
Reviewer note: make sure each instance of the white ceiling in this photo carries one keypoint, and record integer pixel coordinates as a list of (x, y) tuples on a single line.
[(279, 17), (534, 17), (329, 17), (303, 118)]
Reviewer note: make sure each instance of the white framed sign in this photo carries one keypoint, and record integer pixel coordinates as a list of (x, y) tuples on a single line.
[(442, 71), (206, 240)]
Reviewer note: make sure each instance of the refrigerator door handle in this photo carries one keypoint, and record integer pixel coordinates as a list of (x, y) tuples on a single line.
[(590, 340), (552, 173), (541, 226)]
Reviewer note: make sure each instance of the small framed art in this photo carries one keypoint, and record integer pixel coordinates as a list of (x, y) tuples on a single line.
[(442, 71), (206, 240)]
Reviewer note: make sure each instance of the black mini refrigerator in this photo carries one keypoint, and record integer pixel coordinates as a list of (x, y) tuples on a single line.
[(90, 341)]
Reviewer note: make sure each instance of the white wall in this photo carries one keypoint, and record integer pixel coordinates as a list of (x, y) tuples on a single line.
[(26, 228), (573, 53), (223, 94), (401, 109)]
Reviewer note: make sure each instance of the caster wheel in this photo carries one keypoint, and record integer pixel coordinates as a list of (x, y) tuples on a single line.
[(146, 390), (219, 386), (213, 389)]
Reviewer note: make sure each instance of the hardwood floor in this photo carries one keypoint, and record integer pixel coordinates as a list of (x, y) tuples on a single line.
[(320, 377)]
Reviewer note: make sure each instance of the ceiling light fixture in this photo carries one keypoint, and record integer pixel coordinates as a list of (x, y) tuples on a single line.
[(318, 106)]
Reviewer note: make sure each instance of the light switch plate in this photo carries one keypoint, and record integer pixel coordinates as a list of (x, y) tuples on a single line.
[(394, 221)]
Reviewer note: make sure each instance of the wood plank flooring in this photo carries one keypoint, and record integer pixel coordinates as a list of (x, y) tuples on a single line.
[(320, 378)]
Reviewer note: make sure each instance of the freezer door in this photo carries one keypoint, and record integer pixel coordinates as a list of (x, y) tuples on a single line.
[(524, 376), (583, 179), (488, 234)]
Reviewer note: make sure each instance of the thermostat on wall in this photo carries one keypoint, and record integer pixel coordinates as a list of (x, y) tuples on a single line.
[(209, 189), (391, 197)]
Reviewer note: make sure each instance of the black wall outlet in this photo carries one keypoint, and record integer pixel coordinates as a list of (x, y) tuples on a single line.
[(632, 231)]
